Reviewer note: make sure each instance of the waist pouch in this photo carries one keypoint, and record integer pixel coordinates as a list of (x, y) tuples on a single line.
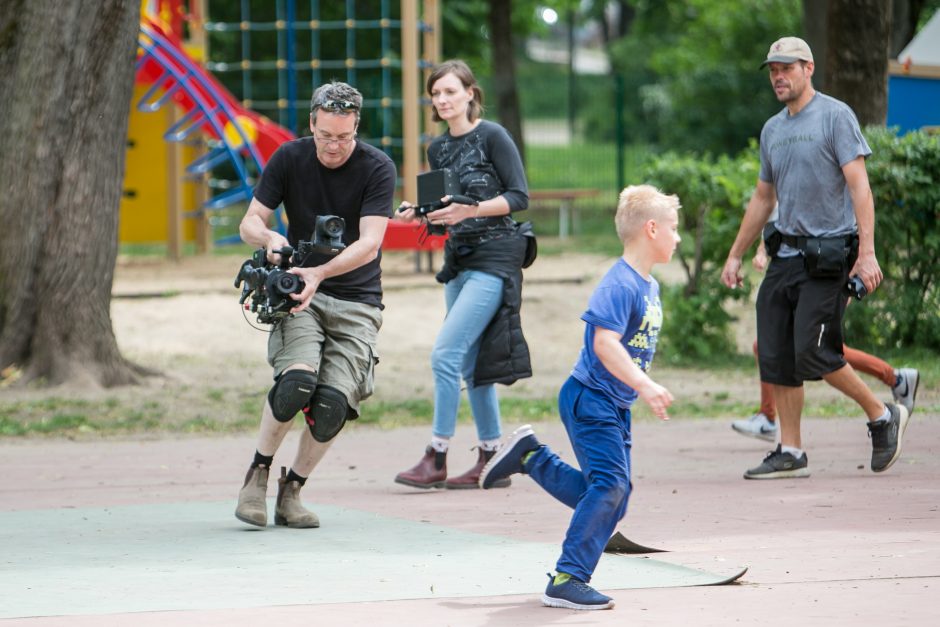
[(828, 257), (531, 244), (772, 239)]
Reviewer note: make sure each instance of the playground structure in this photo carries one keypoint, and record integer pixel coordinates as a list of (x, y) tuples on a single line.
[(205, 129)]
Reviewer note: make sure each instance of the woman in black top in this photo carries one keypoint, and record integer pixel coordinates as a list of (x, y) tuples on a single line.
[(481, 339)]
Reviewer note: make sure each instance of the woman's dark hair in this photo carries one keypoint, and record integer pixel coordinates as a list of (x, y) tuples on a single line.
[(465, 75)]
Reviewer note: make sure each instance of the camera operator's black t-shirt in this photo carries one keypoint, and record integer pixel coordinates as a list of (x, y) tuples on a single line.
[(363, 186)]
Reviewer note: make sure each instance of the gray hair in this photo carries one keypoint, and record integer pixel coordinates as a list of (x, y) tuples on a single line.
[(336, 97)]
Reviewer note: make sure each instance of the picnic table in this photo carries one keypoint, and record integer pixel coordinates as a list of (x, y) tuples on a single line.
[(566, 204)]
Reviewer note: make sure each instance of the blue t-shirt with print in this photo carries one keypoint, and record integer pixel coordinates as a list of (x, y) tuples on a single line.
[(628, 304)]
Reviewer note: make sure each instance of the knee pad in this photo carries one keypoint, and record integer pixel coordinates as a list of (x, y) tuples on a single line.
[(328, 413), (291, 392)]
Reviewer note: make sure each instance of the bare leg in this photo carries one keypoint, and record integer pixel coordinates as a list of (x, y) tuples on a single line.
[(789, 411), (768, 405), (847, 381), (309, 453), (272, 431), (869, 364)]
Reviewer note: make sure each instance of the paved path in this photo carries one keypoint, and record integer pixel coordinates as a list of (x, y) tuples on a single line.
[(843, 547)]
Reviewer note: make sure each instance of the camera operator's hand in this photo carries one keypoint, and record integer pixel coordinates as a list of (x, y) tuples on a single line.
[(312, 278), (405, 213), (276, 241)]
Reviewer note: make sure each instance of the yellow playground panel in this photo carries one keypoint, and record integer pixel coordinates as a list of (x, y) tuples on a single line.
[(157, 198)]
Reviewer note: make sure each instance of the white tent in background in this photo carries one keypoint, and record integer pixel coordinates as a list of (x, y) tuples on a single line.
[(924, 49)]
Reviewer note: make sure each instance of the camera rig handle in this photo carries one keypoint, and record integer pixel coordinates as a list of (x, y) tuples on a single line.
[(462, 200), (423, 210)]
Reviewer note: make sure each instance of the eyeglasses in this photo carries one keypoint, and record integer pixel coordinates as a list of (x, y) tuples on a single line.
[(336, 106), (329, 139)]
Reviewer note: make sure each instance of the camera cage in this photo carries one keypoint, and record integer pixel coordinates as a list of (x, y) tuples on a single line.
[(269, 286)]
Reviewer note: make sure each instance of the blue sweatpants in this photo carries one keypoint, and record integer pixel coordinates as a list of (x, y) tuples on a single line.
[(599, 432)]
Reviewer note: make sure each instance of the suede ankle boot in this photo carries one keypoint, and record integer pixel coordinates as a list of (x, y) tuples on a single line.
[(469, 480), (429, 472), (289, 511), (252, 498)]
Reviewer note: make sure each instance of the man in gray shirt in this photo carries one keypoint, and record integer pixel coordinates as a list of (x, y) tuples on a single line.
[(813, 166)]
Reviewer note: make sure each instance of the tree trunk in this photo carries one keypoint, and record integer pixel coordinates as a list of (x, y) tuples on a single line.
[(859, 35), (814, 24), (905, 15), (66, 75), (504, 71)]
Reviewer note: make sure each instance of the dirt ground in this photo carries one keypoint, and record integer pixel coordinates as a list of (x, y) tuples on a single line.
[(183, 320)]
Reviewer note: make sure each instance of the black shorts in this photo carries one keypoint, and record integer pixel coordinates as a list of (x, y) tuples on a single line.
[(799, 324)]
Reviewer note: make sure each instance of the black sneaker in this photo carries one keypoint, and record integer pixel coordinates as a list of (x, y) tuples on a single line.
[(886, 436), (508, 460), (575, 595), (779, 465)]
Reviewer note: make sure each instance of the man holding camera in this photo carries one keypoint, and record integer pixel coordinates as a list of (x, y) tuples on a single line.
[(323, 353), (813, 164)]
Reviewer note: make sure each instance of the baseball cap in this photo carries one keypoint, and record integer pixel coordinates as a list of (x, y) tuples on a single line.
[(788, 50)]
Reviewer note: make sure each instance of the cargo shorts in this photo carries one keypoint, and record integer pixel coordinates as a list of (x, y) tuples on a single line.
[(337, 339)]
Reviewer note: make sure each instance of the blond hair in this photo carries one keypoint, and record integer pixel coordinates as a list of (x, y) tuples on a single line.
[(637, 205)]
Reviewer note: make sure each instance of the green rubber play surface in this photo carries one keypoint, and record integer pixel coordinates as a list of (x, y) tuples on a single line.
[(190, 556)]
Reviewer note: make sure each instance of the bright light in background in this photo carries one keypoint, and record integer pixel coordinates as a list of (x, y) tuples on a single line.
[(548, 15)]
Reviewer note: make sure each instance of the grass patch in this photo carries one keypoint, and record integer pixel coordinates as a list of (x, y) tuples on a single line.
[(219, 411)]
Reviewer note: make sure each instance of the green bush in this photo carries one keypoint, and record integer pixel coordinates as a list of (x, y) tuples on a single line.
[(904, 312), (713, 193), (696, 328)]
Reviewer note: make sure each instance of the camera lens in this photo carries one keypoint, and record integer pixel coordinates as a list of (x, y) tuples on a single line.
[(288, 283), (333, 226)]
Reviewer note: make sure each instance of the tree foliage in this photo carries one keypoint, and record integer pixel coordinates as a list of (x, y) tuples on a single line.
[(691, 70), (904, 312), (713, 192)]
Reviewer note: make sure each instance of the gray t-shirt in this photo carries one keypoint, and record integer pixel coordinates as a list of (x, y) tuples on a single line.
[(802, 157)]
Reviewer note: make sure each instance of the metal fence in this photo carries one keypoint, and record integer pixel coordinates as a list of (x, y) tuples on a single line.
[(577, 158)]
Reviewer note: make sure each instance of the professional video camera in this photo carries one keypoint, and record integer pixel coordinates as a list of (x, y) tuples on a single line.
[(270, 286), (432, 186)]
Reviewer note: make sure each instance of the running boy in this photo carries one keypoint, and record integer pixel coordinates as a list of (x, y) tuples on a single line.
[(622, 325)]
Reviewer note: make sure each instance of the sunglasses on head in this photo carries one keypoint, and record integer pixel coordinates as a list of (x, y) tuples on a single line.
[(337, 105)]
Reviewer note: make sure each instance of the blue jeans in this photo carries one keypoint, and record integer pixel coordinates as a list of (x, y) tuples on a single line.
[(599, 432), (472, 299)]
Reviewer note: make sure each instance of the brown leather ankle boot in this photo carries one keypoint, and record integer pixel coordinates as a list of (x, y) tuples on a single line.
[(429, 472), (252, 505), (289, 510), (469, 480)]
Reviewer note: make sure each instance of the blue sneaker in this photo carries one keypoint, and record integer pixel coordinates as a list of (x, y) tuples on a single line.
[(508, 460), (575, 595)]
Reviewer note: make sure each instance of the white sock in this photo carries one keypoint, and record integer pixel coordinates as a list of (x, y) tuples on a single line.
[(792, 450), (885, 417), (440, 444), (489, 445)]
